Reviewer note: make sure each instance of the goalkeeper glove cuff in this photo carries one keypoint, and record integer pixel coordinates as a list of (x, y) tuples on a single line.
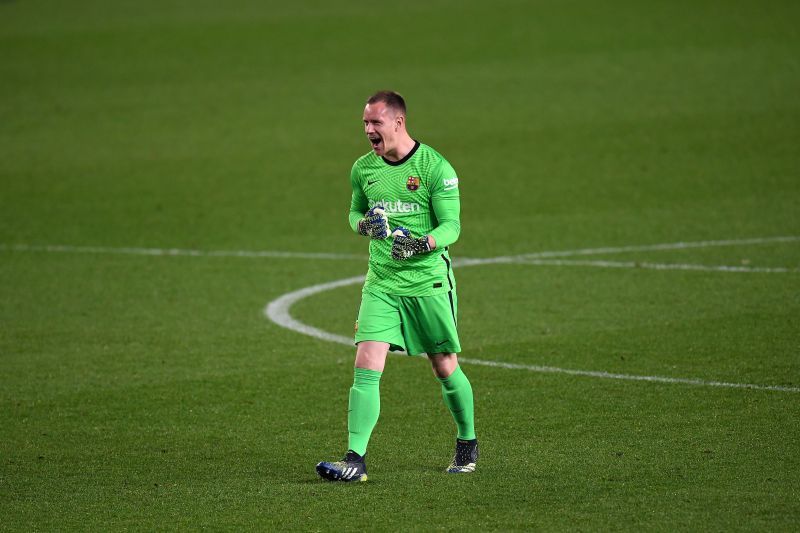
[(404, 246)]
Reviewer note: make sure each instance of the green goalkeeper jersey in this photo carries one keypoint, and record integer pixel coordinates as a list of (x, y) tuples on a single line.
[(420, 193)]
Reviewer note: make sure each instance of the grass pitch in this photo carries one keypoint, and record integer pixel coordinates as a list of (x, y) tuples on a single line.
[(150, 392)]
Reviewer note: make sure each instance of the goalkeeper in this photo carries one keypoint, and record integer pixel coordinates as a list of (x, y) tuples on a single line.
[(406, 201)]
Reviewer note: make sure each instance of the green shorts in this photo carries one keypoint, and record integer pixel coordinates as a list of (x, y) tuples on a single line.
[(424, 324)]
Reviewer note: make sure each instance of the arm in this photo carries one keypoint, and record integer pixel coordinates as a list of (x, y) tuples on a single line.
[(358, 201), (372, 223), (446, 204), (447, 209)]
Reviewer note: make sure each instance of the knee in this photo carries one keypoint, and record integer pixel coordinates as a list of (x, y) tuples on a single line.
[(371, 355), (443, 364)]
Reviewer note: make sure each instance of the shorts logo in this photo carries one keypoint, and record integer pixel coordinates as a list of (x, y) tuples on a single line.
[(412, 184)]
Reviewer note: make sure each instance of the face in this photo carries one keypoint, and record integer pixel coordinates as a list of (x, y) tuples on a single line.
[(382, 125)]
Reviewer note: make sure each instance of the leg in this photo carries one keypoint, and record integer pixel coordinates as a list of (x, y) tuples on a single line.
[(372, 355), (456, 391), (457, 394), (430, 326), (365, 396), (362, 415), (377, 328), (443, 364)]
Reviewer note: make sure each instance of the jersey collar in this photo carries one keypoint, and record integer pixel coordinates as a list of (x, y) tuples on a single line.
[(406, 158)]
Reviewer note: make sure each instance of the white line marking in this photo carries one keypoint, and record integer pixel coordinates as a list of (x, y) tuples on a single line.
[(278, 311), (630, 377), (531, 258), (664, 246), (176, 252), (655, 266)]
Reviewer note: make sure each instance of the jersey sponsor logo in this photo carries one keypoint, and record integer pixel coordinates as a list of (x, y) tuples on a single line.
[(413, 183), (371, 182), (396, 206), (450, 184)]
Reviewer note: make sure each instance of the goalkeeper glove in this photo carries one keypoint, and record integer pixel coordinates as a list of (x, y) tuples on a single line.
[(374, 225), (405, 246)]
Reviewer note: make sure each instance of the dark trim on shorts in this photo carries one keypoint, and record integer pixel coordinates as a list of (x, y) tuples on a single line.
[(448, 271), (450, 292)]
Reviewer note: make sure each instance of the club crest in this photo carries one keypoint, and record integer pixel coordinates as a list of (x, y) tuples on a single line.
[(413, 183)]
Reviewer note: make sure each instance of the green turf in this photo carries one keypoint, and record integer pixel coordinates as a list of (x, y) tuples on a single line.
[(150, 392)]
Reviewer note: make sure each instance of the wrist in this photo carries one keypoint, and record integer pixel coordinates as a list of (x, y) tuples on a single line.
[(431, 242), (361, 228), (424, 245)]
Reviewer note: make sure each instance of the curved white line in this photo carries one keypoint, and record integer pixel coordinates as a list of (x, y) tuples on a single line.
[(278, 311)]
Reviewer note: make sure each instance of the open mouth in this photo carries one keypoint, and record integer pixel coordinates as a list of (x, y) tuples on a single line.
[(375, 140)]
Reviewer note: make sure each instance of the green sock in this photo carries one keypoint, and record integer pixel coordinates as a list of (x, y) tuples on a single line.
[(365, 406), (457, 394)]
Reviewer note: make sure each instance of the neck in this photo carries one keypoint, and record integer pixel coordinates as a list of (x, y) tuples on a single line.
[(401, 149)]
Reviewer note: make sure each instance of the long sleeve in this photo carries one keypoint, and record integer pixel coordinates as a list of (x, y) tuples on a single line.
[(446, 206), (358, 202)]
